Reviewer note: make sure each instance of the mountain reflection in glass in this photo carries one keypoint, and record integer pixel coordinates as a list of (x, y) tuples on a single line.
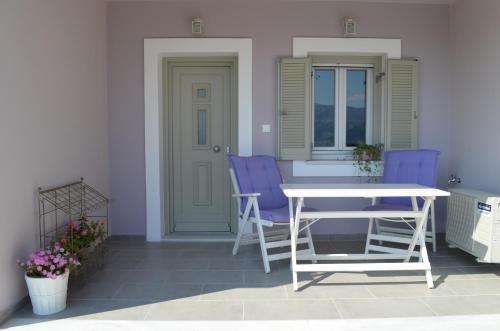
[(356, 108), (324, 108)]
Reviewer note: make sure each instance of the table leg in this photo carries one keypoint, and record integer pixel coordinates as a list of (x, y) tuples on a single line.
[(292, 243), (423, 248), (294, 232)]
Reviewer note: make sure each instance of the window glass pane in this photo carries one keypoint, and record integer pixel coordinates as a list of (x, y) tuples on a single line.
[(202, 127), (324, 108), (356, 108)]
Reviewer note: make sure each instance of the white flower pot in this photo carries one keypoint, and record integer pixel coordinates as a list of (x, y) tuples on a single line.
[(48, 296)]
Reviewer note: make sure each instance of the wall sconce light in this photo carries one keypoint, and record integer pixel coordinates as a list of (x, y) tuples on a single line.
[(349, 27), (197, 26)]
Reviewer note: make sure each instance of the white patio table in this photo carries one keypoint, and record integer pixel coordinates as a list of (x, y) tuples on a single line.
[(301, 191)]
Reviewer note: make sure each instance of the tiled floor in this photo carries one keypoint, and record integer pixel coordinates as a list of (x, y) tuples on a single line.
[(193, 281)]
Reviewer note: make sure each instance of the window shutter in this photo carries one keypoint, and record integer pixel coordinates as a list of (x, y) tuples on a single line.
[(402, 103), (294, 109)]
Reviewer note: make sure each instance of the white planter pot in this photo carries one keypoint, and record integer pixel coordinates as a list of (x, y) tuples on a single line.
[(48, 296)]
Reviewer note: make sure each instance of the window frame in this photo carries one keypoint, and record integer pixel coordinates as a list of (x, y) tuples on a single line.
[(340, 151)]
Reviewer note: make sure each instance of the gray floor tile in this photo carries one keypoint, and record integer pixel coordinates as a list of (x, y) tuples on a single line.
[(481, 272), (242, 292), (178, 292), (464, 305), (205, 277), (373, 308), (159, 291), (356, 278), (196, 310), (165, 281), (95, 309), (408, 290), (100, 290), (475, 286), (453, 261), (187, 264), (310, 290), (238, 263), (439, 275), (290, 310), (144, 277)]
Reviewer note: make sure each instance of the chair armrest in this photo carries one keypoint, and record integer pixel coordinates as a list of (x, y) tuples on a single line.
[(246, 195)]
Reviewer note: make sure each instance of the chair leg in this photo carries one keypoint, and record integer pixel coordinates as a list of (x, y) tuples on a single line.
[(368, 236), (263, 248), (241, 229), (310, 243), (260, 231), (377, 230), (433, 228)]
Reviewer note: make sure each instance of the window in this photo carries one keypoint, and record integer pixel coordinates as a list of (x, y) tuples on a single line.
[(329, 104), (342, 109)]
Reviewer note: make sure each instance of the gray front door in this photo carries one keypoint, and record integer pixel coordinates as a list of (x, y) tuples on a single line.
[(201, 101)]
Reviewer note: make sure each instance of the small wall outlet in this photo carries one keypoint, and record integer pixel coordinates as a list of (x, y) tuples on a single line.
[(266, 128)]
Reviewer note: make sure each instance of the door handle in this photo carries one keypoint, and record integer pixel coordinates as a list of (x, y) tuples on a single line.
[(216, 149)]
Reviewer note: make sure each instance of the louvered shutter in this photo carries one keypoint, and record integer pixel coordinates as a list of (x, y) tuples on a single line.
[(294, 109), (402, 102)]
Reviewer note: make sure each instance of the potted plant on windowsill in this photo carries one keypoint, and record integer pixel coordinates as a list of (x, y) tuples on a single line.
[(367, 159), (46, 274)]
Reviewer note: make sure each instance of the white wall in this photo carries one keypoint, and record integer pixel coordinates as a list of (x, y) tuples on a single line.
[(53, 115), (475, 93)]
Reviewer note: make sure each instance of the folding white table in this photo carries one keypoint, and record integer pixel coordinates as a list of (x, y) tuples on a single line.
[(301, 191)]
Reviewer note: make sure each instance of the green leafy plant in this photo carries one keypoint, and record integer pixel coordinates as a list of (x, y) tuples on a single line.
[(366, 159), (82, 234)]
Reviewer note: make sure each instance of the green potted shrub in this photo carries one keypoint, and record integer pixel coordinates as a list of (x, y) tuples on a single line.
[(367, 159)]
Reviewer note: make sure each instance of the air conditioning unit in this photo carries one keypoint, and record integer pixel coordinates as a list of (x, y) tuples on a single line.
[(473, 223)]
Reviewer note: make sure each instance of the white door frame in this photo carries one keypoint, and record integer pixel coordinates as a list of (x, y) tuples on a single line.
[(155, 49)]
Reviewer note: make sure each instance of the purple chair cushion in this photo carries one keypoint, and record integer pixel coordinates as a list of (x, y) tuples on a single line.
[(279, 215), (260, 174), (409, 167)]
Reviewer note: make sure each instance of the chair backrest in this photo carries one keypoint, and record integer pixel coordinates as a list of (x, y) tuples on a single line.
[(259, 174), (410, 167)]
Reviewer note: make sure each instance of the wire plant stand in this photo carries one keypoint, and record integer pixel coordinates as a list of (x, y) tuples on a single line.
[(60, 206)]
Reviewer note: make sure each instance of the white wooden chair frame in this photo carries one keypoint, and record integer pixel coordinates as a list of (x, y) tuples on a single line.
[(397, 235), (267, 239)]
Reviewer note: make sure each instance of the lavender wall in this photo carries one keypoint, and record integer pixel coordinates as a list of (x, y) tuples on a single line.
[(424, 30), (475, 78), (53, 116)]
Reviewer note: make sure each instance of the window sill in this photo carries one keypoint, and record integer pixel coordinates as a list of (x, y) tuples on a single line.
[(328, 168)]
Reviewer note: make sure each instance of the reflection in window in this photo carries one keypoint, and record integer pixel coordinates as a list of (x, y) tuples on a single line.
[(202, 127), (324, 108), (201, 93), (356, 108)]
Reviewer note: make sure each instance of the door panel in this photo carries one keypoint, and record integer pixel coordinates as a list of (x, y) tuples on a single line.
[(201, 131)]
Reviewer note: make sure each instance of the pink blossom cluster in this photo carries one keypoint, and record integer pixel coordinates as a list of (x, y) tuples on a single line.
[(81, 234), (49, 262)]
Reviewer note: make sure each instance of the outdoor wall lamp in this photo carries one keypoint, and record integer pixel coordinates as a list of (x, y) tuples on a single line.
[(197, 26), (349, 27)]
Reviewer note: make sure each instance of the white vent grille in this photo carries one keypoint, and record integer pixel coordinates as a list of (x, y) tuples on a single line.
[(461, 219)]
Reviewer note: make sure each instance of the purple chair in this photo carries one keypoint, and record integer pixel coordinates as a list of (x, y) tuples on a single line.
[(404, 166), (256, 183)]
